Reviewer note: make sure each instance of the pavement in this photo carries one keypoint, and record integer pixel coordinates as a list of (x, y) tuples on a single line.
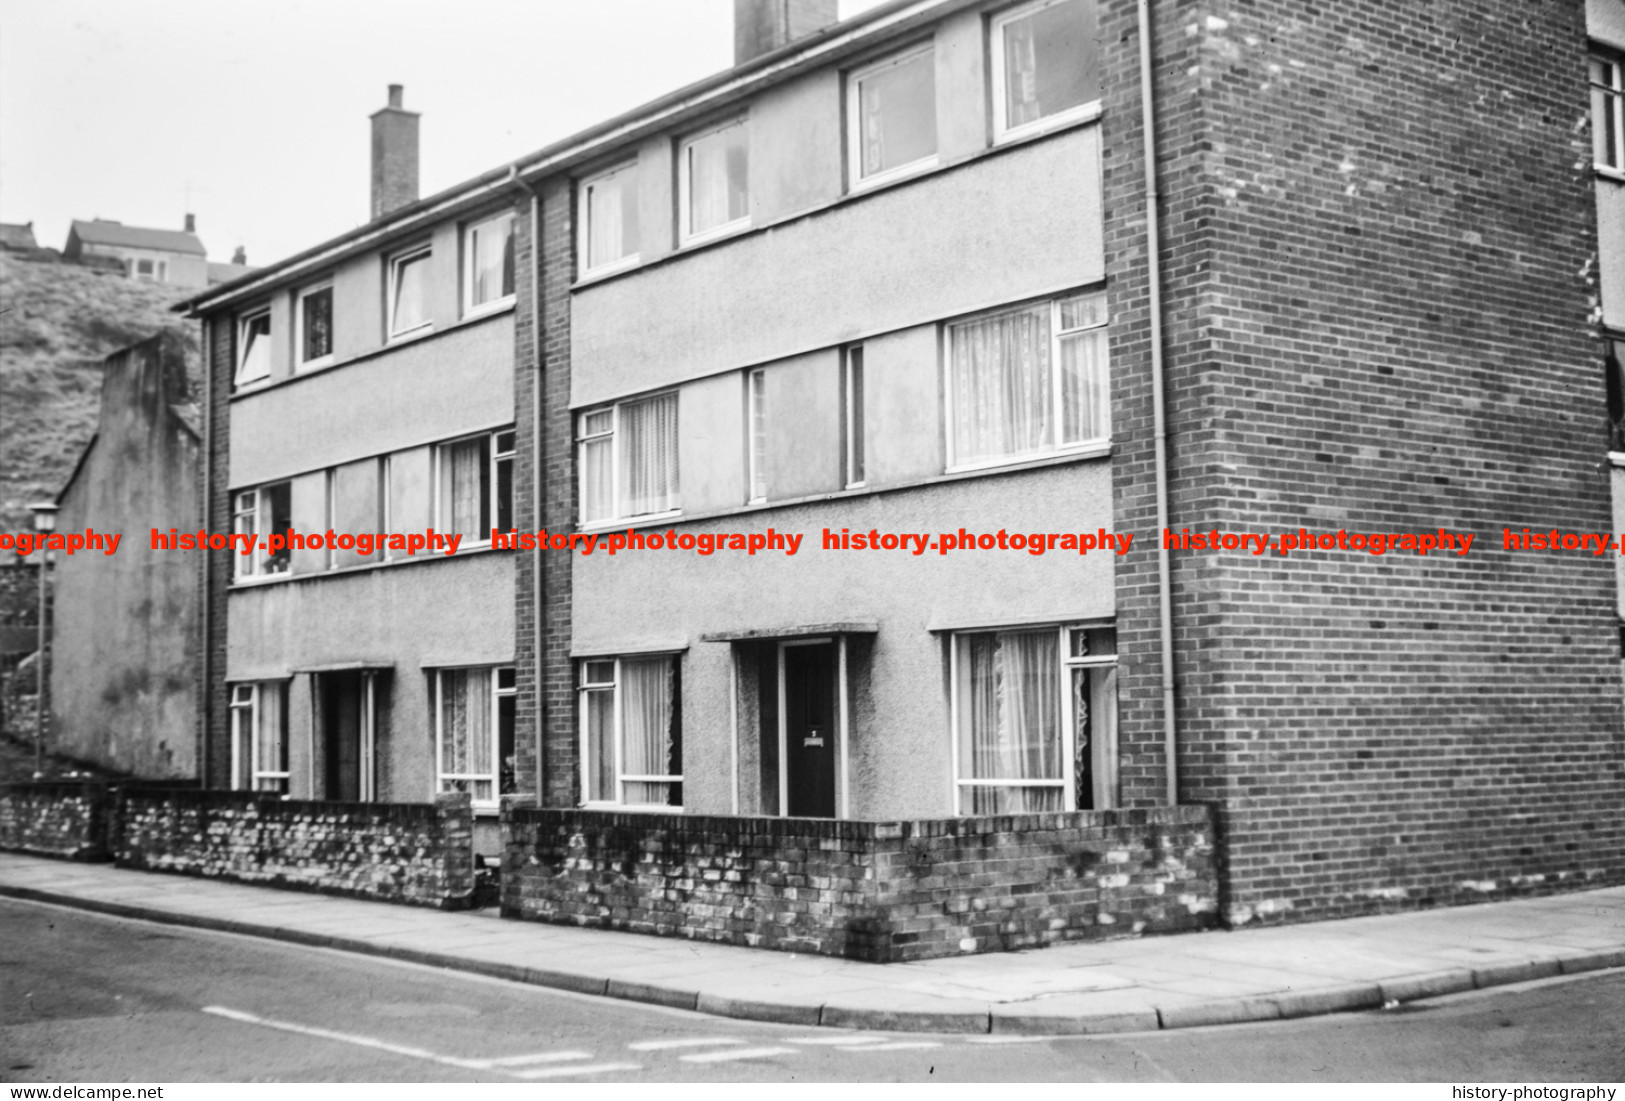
[(1127, 985)]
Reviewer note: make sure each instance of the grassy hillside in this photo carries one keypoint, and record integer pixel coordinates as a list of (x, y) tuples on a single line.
[(57, 323)]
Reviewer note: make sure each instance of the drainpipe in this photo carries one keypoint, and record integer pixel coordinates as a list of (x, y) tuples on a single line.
[(1159, 409), (537, 567), (208, 573)]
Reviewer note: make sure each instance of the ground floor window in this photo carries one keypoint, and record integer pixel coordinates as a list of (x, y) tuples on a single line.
[(259, 736), (474, 732), (632, 731), (1035, 719)]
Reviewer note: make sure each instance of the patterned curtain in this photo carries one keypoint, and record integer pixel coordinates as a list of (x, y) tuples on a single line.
[(1001, 385)]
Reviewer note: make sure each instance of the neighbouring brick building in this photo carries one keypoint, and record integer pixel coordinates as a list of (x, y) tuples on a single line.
[(900, 274)]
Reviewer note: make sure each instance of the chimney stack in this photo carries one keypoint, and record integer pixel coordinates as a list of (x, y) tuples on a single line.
[(191, 223), (240, 256), (394, 156), (762, 26)]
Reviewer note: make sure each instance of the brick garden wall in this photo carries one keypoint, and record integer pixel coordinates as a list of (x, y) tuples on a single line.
[(876, 891), (419, 854), (66, 818)]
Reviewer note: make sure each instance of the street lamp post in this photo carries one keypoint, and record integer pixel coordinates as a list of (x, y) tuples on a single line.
[(44, 523)]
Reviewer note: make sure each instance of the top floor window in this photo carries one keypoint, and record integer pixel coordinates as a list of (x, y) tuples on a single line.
[(892, 117), (254, 347), (1608, 111), (315, 318), (409, 292), (488, 255), (1046, 66), (713, 182), (1028, 381), (608, 208)]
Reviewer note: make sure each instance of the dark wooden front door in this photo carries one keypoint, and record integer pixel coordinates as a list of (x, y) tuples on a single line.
[(809, 729), (341, 728)]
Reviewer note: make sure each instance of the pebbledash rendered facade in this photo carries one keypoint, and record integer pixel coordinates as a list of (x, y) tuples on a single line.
[(892, 275)]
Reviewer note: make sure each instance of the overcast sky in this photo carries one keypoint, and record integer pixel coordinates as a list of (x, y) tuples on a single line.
[(253, 115)]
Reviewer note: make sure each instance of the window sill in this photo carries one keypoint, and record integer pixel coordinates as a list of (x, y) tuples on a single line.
[(1617, 459), (892, 175), (471, 312), (630, 522), (633, 808), (716, 233), (1608, 173), (1088, 450), (317, 364), (1086, 112), (605, 271), (244, 583), (416, 332)]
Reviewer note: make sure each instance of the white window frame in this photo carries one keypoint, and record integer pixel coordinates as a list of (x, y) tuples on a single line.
[(470, 307), (756, 435), (250, 510), (584, 189), (245, 322), (1610, 89), (400, 260), (1056, 335), (617, 516), (245, 708), (1002, 132), (856, 180), (494, 457), (583, 686), (685, 211), (300, 363), (1107, 756), (446, 782), (855, 450)]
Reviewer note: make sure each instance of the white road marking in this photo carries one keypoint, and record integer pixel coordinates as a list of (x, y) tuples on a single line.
[(501, 1065), (742, 1053), (1008, 1039), (841, 1040), (560, 1072), (539, 1057), (666, 1045), (901, 1045)]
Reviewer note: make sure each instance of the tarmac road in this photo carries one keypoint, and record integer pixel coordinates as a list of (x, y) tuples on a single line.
[(85, 998)]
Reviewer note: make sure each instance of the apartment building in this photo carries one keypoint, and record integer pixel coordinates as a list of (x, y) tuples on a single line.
[(968, 268), (348, 669)]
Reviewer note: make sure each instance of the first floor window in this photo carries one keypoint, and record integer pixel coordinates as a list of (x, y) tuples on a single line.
[(254, 347), (628, 459), (1613, 366), (892, 117), (1035, 715), (409, 292), (632, 731), (475, 485), (474, 732), (259, 736), (315, 316), (1046, 65), (261, 513), (1028, 381), (488, 252), (1608, 111), (608, 208), (714, 182)]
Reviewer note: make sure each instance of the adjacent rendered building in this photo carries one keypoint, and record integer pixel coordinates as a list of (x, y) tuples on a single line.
[(899, 277)]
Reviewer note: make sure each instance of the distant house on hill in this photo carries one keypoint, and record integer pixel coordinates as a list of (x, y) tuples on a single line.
[(151, 255), (225, 273), (17, 238)]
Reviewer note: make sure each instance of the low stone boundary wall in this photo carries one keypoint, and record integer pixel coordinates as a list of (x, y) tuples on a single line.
[(416, 853), (878, 891), (66, 818)]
